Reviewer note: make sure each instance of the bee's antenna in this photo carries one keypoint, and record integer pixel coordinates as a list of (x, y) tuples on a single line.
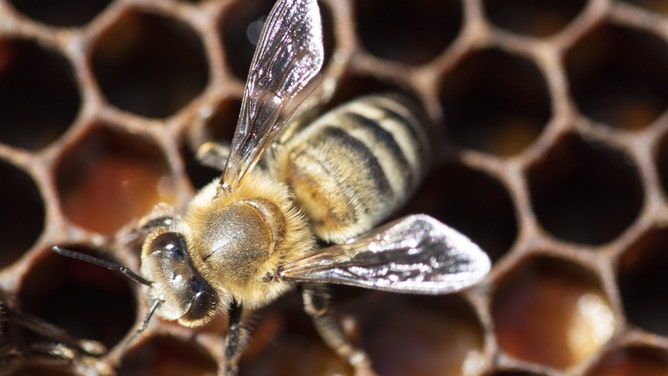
[(103, 263)]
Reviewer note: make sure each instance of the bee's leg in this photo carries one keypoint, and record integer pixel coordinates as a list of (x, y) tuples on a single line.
[(10, 359), (162, 215), (50, 354), (50, 331), (213, 154), (316, 304), (237, 338), (13, 358)]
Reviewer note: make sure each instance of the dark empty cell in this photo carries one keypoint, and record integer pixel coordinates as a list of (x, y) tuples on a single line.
[(662, 162), (21, 213), (636, 360), (422, 336), (643, 279), (61, 12), (552, 312), (218, 124), (535, 18), (407, 31), (51, 370), (33, 346), (495, 102), (618, 76), (167, 356), (515, 373), (660, 6), (285, 342), (585, 192), (108, 179), (39, 98), (198, 174), (218, 127), (85, 300), (293, 354), (150, 65), (240, 28), (352, 86), (471, 202)]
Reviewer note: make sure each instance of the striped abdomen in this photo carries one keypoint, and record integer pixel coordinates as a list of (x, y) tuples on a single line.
[(354, 166)]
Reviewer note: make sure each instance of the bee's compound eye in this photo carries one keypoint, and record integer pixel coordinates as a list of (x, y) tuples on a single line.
[(171, 244), (203, 303)]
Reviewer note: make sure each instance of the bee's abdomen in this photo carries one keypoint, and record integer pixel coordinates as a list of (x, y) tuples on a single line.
[(354, 166)]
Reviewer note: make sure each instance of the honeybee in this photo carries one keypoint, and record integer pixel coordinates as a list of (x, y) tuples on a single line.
[(257, 231), (55, 347)]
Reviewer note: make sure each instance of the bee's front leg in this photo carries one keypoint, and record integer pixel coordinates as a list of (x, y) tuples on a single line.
[(162, 215), (316, 304), (236, 340)]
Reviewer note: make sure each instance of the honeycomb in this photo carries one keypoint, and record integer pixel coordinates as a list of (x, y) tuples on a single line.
[(552, 154)]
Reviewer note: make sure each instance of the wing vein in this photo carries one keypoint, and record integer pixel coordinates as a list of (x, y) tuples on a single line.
[(289, 55)]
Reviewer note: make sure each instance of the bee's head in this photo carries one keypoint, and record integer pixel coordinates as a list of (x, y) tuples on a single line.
[(182, 292)]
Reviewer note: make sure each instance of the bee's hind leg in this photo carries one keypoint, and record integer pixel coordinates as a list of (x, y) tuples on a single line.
[(316, 304)]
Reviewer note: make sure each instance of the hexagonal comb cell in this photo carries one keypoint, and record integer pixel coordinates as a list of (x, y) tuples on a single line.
[(515, 373), (214, 124), (539, 19), (390, 31), (149, 64), (661, 161), (84, 299), (495, 102), (21, 213), (473, 203), (642, 280), (632, 360), (658, 6), (294, 352), (585, 192), (39, 97), (354, 85), (31, 369), (109, 178), (617, 76), (429, 336), (552, 312), (62, 13), (162, 355), (240, 27)]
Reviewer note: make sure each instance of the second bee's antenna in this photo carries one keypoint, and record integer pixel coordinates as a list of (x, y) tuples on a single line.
[(103, 263)]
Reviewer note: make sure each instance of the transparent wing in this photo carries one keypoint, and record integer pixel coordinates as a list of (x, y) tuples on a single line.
[(416, 254), (288, 56)]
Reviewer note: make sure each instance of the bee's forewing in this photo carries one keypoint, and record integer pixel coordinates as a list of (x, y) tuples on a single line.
[(288, 56), (416, 254)]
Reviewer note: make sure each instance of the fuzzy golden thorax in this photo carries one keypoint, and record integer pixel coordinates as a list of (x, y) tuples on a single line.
[(237, 240)]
